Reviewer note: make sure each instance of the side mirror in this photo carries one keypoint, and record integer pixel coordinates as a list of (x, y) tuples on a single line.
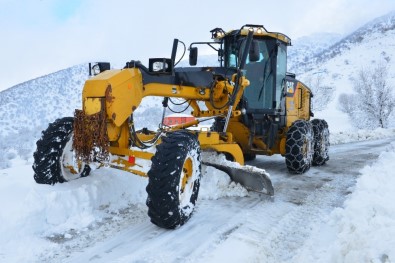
[(193, 55), (254, 51)]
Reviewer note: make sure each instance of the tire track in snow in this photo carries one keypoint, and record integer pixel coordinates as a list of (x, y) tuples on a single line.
[(297, 210), (293, 228), (199, 235)]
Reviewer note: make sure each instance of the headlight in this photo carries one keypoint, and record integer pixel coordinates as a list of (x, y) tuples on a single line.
[(259, 30)]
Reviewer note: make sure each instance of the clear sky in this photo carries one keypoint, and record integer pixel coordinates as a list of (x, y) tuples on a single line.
[(42, 36)]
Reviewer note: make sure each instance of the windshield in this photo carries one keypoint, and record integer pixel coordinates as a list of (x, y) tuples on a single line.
[(265, 75), (259, 95)]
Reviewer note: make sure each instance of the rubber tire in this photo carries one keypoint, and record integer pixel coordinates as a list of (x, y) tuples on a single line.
[(164, 202), (321, 142), (49, 152), (299, 147)]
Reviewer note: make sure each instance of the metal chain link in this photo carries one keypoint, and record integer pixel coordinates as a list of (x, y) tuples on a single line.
[(90, 141)]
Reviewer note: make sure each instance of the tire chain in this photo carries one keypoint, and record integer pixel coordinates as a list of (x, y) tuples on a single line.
[(297, 160), (90, 140), (321, 139)]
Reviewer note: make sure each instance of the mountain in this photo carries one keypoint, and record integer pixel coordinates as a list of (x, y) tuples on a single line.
[(338, 66), (378, 33), (304, 48), (39, 101), (27, 108)]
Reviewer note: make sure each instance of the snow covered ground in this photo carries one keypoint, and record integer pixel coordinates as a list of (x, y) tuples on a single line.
[(364, 229), (54, 223)]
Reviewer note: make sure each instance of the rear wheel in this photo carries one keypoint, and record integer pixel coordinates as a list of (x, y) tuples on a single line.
[(174, 180), (299, 147), (54, 158), (321, 141)]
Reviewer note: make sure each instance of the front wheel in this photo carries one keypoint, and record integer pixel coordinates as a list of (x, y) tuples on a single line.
[(54, 158), (174, 180), (299, 147)]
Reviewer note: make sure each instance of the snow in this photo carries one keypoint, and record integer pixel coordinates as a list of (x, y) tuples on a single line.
[(41, 217), (360, 135), (38, 212), (339, 65), (216, 184), (364, 229)]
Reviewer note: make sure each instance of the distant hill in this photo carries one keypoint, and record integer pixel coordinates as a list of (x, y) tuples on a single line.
[(305, 48), (27, 108), (36, 102), (339, 64), (378, 32)]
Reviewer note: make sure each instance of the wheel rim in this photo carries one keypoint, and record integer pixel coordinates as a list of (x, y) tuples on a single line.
[(186, 182), (70, 166)]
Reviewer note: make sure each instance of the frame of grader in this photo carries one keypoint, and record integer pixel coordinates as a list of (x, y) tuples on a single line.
[(257, 107)]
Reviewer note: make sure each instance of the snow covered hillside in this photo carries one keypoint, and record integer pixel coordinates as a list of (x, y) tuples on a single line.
[(338, 66), (303, 49), (27, 109), (37, 102), (376, 34)]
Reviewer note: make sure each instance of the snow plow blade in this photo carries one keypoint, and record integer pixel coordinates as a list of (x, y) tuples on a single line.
[(251, 177)]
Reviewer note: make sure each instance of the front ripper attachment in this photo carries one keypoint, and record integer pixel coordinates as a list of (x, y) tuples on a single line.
[(251, 177)]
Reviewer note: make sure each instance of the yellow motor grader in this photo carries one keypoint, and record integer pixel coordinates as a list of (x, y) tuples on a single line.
[(256, 108)]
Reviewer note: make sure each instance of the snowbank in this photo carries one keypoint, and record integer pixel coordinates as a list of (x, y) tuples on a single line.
[(360, 135), (364, 230), (31, 214), (216, 184), (35, 218)]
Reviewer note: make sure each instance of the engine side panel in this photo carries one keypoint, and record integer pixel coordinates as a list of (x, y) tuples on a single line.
[(298, 100)]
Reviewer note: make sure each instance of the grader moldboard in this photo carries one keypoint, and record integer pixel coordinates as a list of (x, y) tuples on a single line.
[(257, 107)]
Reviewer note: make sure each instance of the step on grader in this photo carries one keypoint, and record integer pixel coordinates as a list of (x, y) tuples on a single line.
[(256, 107)]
